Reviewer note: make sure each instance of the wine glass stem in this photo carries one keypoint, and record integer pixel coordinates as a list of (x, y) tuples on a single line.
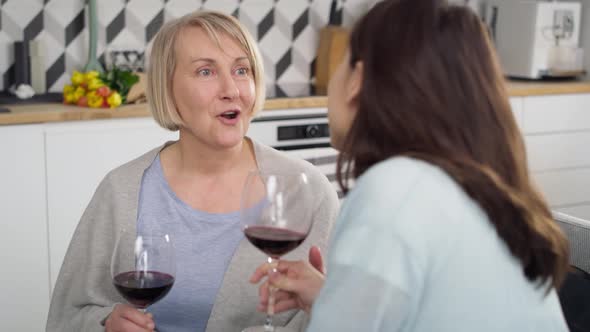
[(270, 310)]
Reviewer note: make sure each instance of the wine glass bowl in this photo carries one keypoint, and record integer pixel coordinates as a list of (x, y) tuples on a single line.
[(143, 268), (276, 217), (275, 242)]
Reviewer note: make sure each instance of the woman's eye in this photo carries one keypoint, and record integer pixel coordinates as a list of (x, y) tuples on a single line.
[(205, 72), (242, 71)]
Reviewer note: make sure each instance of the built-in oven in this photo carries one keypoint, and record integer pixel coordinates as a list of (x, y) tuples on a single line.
[(302, 133)]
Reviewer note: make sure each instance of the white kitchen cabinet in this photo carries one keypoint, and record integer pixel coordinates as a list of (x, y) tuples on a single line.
[(564, 188), (24, 281), (558, 151), (556, 113), (567, 190), (79, 155), (516, 103), (556, 131)]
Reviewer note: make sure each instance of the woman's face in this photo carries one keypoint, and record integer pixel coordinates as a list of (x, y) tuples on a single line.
[(343, 89), (213, 88)]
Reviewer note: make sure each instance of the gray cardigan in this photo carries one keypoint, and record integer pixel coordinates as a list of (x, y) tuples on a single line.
[(84, 294)]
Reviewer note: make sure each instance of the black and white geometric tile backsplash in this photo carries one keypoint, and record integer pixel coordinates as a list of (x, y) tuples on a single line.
[(287, 32)]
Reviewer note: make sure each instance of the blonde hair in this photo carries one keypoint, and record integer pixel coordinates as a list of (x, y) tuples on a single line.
[(163, 61)]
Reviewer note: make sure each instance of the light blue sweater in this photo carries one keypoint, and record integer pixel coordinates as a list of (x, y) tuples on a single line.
[(412, 252)]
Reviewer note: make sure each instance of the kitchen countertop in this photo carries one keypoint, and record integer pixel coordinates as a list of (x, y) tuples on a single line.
[(55, 112), (522, 88)]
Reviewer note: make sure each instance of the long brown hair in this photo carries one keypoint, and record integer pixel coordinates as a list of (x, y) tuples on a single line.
[(433, 90)]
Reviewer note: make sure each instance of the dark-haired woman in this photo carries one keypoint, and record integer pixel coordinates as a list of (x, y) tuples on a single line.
[(443, 230)]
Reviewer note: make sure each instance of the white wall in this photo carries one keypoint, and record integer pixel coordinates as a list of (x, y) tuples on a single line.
[(585, 35)]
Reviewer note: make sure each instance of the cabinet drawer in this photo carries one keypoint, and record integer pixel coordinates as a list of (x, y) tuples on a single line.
[(556, 113), (555, 151), (564, 187)]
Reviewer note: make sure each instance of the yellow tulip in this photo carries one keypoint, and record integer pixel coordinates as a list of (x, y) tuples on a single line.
[(94, 99), (91, 74), (79, 92), (114, 99), (68, 94), (68, 89), (77, 78), (94, 83), (69, 98)]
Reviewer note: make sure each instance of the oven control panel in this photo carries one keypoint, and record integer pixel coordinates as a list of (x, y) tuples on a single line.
[(305, 131), (291, 129)]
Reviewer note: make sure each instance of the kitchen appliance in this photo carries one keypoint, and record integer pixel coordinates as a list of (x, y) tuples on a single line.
[(301, 133), (537, 39)]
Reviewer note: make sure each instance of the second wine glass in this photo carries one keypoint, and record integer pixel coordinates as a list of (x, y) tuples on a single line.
[(276, 217), (143, 268)]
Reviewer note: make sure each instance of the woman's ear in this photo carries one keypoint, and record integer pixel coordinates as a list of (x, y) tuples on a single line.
[(355, 82)]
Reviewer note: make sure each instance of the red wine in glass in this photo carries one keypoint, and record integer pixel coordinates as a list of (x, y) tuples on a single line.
[(143, 288), (143, 267), (273, 241)]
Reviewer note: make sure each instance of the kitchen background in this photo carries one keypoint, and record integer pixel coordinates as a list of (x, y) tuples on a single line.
[(44, 189), (287, 32)]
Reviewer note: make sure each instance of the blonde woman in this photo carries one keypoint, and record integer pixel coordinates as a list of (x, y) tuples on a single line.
[(205, 80)]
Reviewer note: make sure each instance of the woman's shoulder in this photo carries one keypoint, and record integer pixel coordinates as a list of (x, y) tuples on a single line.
[(119, 188), (270, 159), (134, 168), (273, 160), (403, 183), (413, 199), (128, 176), (403, 172)]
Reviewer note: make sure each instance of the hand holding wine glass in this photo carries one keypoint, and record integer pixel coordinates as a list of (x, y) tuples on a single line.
[(143, 269), (276, 218), (297, 282), (125, 318)]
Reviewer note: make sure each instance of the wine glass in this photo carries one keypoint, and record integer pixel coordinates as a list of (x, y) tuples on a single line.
[(143, 267), (276, 218)]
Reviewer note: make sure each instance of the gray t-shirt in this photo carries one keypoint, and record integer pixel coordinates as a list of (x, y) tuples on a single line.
[(204, 244)]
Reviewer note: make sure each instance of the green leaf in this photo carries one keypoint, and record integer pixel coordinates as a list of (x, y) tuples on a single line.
[(120, 81)]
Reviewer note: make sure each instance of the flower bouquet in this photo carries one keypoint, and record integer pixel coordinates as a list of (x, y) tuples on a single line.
[(96, 90)]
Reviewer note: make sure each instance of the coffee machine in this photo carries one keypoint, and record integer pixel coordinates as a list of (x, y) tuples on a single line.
[(536, 39)]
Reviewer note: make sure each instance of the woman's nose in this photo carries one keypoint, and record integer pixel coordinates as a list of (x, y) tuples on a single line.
[(229, 88)]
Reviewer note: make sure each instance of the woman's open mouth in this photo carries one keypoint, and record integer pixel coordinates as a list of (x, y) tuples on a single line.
[(230, 115)]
